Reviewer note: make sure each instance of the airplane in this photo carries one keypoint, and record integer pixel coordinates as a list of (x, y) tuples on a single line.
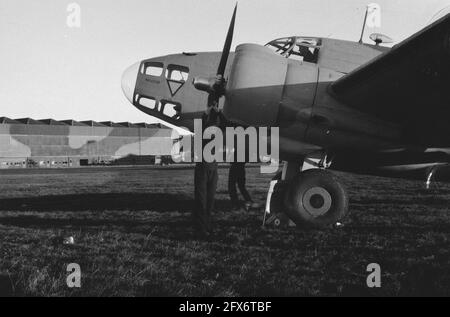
[(339, 105)]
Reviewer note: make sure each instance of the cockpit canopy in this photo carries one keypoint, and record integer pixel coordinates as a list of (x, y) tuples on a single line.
[(305, 49)]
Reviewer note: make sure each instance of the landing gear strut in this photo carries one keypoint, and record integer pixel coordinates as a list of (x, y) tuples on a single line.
[(314, 197)]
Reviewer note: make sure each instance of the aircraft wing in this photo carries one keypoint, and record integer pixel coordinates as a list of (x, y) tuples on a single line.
[(409, 85)]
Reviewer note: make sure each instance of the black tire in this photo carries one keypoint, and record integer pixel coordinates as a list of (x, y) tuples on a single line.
[(316, 198)]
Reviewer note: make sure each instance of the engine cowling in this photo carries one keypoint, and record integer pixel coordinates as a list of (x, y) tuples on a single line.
[(255, 87)]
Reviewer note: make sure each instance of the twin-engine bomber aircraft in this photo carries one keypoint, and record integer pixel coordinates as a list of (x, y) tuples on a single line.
[(350, 106)]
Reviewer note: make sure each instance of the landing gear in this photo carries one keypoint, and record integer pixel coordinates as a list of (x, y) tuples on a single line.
[(314, 197)]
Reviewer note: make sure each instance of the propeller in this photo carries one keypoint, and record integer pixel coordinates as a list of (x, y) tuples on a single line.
[(215, 86)]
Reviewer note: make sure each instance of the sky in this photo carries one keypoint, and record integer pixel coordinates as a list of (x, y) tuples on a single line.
[(51, 70)]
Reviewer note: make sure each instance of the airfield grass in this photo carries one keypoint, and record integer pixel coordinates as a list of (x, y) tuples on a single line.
[(133, 238)]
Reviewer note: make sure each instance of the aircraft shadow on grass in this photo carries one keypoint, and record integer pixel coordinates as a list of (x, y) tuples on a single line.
[(25, 213), (155, 202), (123, 203)]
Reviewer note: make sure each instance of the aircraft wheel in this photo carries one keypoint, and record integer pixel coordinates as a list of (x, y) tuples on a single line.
[(315, 197)]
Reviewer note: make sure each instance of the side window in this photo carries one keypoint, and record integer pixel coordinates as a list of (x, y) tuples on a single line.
[(166, 108), (171, 109), (177, 73), (152, 69), (148, 102)]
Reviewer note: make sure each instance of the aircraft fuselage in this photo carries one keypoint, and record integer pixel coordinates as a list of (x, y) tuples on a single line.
[(273, 89)]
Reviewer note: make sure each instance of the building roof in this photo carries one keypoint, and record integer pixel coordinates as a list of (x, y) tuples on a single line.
[(74, 123), (52, 122), (28, 121), (150, 126), (90, 123), (93, 123), (128, 125), (111, 124), (6, 120)]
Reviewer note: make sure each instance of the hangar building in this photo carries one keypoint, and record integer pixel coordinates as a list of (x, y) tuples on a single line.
[(50, 143)]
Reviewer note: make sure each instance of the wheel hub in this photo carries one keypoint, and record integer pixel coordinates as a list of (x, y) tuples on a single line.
[(317, 201)]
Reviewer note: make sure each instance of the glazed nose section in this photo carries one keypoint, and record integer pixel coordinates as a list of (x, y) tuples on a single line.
[(129, 79)]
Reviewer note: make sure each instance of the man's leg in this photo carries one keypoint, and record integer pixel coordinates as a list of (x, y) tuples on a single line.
[(211, 192), (232, 188), (241, 184), (200, 207), (243, 190)]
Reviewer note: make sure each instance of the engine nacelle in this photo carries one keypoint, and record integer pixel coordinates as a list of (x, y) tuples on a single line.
[(255, 87)]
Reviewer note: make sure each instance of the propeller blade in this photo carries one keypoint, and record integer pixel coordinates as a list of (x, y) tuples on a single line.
[(227, 46)]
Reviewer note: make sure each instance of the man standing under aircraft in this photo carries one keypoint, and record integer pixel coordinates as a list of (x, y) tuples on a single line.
[(237, 177), (206, 175)]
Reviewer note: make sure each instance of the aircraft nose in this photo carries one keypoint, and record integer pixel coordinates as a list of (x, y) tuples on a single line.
[(129, 79)]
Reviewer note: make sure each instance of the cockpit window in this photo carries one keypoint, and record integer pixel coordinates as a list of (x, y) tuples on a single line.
[(152, 69), (298, 48), (281, 46), (177, 73)]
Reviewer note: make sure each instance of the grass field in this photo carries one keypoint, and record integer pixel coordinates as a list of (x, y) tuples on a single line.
[(133, 238)]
